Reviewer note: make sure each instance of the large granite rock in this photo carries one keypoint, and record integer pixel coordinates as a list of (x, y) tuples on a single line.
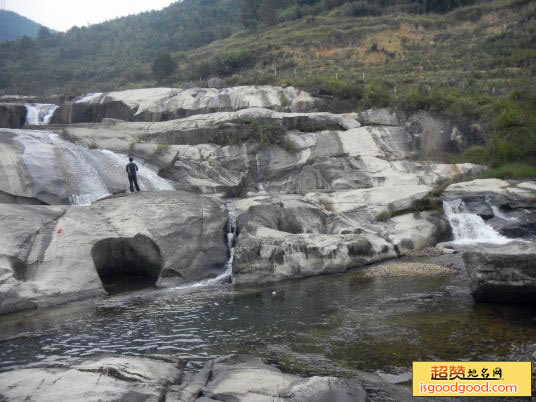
[(52, 255), (242, 378), (284, 237), (106, 378), (509, 206), (160, 378), (12, 115), (41, 167), (160, 104), (502, 274), (315, 152)]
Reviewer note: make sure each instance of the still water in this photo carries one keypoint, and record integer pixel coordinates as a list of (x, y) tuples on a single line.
[(323, 325)]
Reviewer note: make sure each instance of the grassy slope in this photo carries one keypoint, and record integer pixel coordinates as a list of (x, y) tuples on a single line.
[(476, 65), (490, 45)]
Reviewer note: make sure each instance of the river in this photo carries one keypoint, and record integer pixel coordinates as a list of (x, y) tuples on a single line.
[(322, 325)]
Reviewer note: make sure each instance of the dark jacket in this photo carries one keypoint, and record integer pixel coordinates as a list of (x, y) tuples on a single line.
[(132, 168)]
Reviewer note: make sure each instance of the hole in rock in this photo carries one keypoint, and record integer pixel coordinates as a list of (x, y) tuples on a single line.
[(126, 264)]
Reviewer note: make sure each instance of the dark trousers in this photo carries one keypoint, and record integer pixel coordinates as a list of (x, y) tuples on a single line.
[(133, 180)]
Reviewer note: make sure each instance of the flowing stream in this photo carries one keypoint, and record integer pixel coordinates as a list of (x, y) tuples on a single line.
[(469, 228), (327, 325), (84, 174), (39, 114)]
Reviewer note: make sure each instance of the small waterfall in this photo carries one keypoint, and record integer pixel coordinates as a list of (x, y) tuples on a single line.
[(82, 175), (469, 228), (225, 276), (148, 179), (497, 212), (76, 173), (89, 98), (39, 114)]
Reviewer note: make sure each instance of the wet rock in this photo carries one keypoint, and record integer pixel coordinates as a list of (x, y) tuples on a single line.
[(502, 274), (521, 230), (99, 379), (12, 115), (380, 117)]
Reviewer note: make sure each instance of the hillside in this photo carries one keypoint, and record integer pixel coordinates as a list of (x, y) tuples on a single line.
[(119, 53), (13, 26)]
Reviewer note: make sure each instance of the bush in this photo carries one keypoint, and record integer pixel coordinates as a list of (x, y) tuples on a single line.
[(512, 171), (376, 94), (163, 66), (342, 88)]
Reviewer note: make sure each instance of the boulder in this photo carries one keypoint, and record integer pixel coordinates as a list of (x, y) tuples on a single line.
[(281, 238), (502, 273), (42, 166), (106, 378), (12, 115), (237, 378), (215, 83), (433, 135), (507, 206), (58, 254), (243, 378), (380, 117)]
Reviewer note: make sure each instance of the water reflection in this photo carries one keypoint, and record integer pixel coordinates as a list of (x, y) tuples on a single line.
[(323, 325)]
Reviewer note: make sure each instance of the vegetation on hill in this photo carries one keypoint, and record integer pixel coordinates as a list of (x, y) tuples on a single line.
[(13, 26), (472, 61)]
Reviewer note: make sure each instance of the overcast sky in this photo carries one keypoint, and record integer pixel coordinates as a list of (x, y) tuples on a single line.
[(64, 14)]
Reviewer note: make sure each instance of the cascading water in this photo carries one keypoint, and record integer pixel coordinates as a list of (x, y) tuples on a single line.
[(62, 171), (81, 172), (148, 179), (469, 228), (225, 276), (39, 114), (88, 98), (497, 212)]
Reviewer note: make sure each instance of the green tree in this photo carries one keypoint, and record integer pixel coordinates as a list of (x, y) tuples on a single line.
[(163, 66), (43, 33)]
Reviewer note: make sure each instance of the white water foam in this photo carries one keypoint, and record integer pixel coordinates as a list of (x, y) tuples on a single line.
[(225, 276), (148, 179), (39, 114), (83, 176), (469, 228), (89, 98), (497, 212)]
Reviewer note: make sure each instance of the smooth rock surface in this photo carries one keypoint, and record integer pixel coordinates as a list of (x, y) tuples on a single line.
[(99, 379), (160, 104), (502, 274), (52, 255), (241, 378), (12, 115)]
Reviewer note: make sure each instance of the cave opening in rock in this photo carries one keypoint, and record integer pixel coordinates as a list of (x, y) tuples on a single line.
[(127, 264)]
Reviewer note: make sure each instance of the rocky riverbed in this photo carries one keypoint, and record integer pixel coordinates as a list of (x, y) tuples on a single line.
[(252, 186)]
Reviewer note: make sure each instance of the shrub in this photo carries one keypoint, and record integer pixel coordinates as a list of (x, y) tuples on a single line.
[(512, 171)]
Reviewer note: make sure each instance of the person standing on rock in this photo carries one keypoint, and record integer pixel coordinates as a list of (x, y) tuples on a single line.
[(132, 168)]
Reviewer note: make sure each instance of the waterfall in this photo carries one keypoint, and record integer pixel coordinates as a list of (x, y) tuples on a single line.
[(76, 173), (39, 114), (89, 98), (469, 228), (81, 173), (148, 179), (497, 212), (225, 276)]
